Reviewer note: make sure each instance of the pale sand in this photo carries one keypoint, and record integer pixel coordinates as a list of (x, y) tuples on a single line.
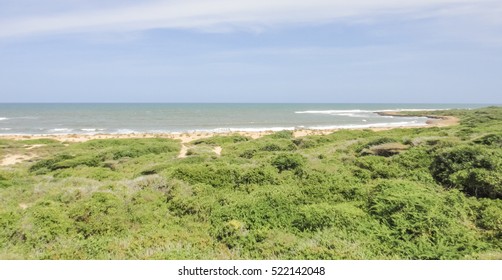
[(15, 158), (434, 121), (183, 151), (217, 150)]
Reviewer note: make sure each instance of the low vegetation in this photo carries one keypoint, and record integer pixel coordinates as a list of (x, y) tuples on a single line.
[(420, 193)]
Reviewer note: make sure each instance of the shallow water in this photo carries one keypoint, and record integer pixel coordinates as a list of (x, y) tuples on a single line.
[(189, 117)]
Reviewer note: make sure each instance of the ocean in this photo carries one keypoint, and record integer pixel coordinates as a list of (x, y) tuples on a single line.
[(191, 117)]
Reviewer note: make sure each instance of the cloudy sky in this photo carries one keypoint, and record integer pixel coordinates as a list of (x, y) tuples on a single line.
[(426, 51)]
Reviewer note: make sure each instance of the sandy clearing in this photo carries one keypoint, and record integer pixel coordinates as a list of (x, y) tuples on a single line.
[(15, 158), (31, 147)]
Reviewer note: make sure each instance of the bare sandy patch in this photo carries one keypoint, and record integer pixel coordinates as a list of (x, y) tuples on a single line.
[(31, 147), (217, 150), (183, 151), (15, 158), (23, 206)]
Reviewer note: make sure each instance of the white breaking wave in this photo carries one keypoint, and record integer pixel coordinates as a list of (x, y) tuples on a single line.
[(5, 128), (92, 129), (125, 131), (375, 125), (3, 119), (247, 129), (357, 112), (60, 130)]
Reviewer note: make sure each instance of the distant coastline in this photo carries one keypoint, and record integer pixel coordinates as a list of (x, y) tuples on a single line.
[(122, 119), (186, 137)]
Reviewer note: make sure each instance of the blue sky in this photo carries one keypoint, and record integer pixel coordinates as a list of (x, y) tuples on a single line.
[(441, 51)]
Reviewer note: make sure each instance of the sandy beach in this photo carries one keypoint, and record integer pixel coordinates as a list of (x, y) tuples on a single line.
[(434, 121)]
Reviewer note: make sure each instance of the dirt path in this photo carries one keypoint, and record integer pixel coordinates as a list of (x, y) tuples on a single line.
[(217, 150), (183, 151)]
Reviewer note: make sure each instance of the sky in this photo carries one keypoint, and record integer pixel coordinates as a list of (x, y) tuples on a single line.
[(315, 51)]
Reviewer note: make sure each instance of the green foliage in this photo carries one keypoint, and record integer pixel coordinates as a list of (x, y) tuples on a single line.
[(490, 140), (101, 214), (284, 134), (211, 174), (420, 224), (475, 170), (97, 153), (288, 162), (316, 217), (44, 222), (221, 140)]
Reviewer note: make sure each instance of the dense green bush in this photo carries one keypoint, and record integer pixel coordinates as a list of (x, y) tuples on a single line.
[(214, 175), (288, 162), (475, 170), (316, 217), (420, 221), (45, 222), (101, 214), (490, 140)]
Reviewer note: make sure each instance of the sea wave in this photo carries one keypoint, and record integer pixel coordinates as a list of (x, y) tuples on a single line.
[(5, 128), (125, 131), (60, 130), (3, 119), (373, 125), (92, 129), (360, 113), (246, 129)]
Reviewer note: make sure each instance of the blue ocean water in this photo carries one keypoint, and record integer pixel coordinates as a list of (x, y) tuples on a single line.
[(189, 117)]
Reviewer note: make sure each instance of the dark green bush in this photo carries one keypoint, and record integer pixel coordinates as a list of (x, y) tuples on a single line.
[(261, 175), (283, 134), (50, 164), (288, 162), (214, 175), (490, 140), (474, 170), (423, 225)]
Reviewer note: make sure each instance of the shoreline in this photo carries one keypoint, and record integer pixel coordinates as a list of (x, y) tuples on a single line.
[(433, 121)]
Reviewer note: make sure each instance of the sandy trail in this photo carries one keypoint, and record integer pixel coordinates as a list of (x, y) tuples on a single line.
[(183, 151)]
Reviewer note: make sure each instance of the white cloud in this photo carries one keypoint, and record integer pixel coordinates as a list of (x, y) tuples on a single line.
[(227, 14)]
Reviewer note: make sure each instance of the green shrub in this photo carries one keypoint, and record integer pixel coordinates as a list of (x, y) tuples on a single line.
[(277, 145), (316, 217), (473, 170), (288, 162), (490, 218), (51, 164), (379, 167), (220, 140), (214, 175), (231, 233), (101, 214), (283, 134), (44, 222), (490, 140), (422, 224), (248, 153), (261, 175)]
